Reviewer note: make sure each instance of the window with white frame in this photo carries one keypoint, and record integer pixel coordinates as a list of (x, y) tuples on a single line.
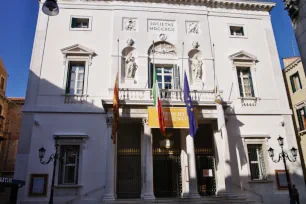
[(80, 23), (69, 164), (245, 82), (75, 79), (167, 76), (256, 162), (237, 31)]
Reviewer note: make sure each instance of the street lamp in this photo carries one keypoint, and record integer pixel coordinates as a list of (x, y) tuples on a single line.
[(284, 156), (53, 157), (50, 8)]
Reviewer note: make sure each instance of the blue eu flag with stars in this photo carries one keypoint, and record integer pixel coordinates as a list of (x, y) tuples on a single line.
[(190, 109)]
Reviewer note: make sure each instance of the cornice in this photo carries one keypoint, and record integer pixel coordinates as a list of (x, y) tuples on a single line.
[(231, 4), (292, 65)]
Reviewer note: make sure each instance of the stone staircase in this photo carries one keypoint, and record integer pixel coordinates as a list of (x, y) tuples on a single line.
[(223, 199)]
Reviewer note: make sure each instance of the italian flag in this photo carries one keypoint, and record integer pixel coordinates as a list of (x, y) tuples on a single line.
[(158, 104)]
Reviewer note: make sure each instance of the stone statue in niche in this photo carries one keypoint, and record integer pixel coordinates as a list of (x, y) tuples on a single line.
[(196, 66), (130, 65)]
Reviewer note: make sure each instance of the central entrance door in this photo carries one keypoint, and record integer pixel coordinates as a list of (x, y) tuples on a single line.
[(205, 161), (129, 161), (166, 166)]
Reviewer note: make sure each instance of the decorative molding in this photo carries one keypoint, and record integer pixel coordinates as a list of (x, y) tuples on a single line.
[(241, 5), (78, 49), (195, 44), (193, 27), (130, 42), (302, 133), (164, 49), (162, 36), (129, 24), (109, 122), (243, 55), (292, 65)]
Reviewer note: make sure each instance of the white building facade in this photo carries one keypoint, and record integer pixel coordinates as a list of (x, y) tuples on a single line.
[(76, 56)]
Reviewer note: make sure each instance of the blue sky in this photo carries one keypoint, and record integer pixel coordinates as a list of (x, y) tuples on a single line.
[(17, 35)]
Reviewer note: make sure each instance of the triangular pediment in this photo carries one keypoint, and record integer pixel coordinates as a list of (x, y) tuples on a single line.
[(243, 55), (77, 49)]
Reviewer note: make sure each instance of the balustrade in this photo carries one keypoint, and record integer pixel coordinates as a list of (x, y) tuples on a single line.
[(165, 94)]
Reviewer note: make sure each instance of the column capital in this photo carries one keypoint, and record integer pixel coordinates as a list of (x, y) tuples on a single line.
[(145, 121), (109, 121)]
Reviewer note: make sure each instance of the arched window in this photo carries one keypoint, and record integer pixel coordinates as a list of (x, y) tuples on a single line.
[(163, 58)]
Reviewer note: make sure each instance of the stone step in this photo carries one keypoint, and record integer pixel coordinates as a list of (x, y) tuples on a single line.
[(206, 200)]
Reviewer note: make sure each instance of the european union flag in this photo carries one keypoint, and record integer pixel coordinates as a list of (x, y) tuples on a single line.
[(190, 110)]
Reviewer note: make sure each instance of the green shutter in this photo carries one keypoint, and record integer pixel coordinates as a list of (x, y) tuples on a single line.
[(68, 79), (74, 23), (292, 83), (298, 76), (300, 118), (239, 83), (251, 83)]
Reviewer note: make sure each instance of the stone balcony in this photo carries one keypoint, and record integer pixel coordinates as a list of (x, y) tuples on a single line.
[(172, 96)]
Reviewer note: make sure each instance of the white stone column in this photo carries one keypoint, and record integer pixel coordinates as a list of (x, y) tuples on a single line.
[(110, 192), (148, 175), (193, 184), (226, 149)]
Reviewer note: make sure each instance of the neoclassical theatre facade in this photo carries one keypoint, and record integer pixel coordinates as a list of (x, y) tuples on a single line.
[(221, 44)]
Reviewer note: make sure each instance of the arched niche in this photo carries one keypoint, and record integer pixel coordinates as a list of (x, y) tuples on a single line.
[(195, 65), (128, 63)]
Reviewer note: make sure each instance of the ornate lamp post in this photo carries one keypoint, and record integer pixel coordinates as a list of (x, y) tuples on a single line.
[(284, 156), (53, 157)]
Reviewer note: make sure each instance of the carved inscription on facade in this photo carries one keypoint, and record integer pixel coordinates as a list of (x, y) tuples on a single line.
[(161, 26)]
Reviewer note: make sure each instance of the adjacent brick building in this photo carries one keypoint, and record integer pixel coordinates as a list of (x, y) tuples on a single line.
[(10, 118)]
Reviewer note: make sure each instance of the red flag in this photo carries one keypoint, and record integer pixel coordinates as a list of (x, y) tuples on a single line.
[(158, 105), (115, 112)]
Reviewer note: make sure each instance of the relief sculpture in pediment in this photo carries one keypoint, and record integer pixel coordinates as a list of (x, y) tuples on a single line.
[(164, 49)]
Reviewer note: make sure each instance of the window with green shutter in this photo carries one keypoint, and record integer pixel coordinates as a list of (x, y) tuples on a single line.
[(245, 82), (256, 162), (301, 115)]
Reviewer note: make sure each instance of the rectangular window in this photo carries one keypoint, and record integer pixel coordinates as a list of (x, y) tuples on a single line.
[(69, 164), (246, 88), (256, 162), (79, 22), (237, 31), (295, 82), (2, 83), (301, 114), (75, 80)]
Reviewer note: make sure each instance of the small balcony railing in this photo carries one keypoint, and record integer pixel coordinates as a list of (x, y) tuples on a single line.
[(75, 99), (166, 95)]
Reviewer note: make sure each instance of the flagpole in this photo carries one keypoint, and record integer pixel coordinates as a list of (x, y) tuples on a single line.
[(213, 56), (153, 59), (183, 58)]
